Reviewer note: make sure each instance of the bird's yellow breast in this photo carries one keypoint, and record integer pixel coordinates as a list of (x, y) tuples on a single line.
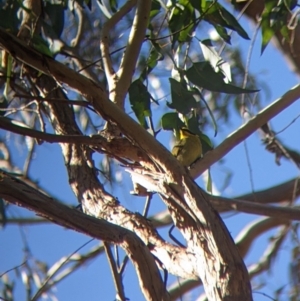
[(188, 149)]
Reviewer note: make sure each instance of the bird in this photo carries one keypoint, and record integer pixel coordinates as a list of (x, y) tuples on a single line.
[(188, 149)]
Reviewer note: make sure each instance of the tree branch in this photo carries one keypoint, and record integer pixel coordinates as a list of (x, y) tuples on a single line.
[(249, 207), (104, 45), (55, 274), (23, 195), (117, 147), (246, 130), (135, 41), (254, 229)]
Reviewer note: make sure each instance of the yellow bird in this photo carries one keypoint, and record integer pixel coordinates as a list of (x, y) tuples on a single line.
[(188, 149)]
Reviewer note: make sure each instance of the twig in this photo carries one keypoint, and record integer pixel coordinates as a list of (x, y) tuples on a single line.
[(22, 129), (114, 270), (12, 269), (44, 286), (270, 253), (147, 205), (60, 100)]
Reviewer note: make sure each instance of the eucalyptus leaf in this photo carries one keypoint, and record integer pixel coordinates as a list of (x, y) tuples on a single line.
[(203, 75), (182, 99), (171, 121), (140, 100)]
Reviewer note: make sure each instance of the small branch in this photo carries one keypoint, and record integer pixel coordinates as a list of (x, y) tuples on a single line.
[(116, 276), (281, 193), (253, 230), (117, 148), (96, 95), (28, 161), (289, 48), (59, 100), (270, 253), (221, 204), (184, 286), (246, 130), (22, 129), (104, 41), (80, 260), (130, 58), (287, 213), (14, 268), (46, 285)]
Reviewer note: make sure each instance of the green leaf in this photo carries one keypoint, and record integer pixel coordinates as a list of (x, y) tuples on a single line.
[(209, 182), (215, 14), (155, 9), (232, 23), (192, 124), (203, 75), (155, 56), (274, 18), (182, 21), (284, 31), (140, 98), (206, 141), (88, 4), (223, 33), (113, 5), (171, 121), (211, 55), (182, 99), (3, 105), (267, 32)]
